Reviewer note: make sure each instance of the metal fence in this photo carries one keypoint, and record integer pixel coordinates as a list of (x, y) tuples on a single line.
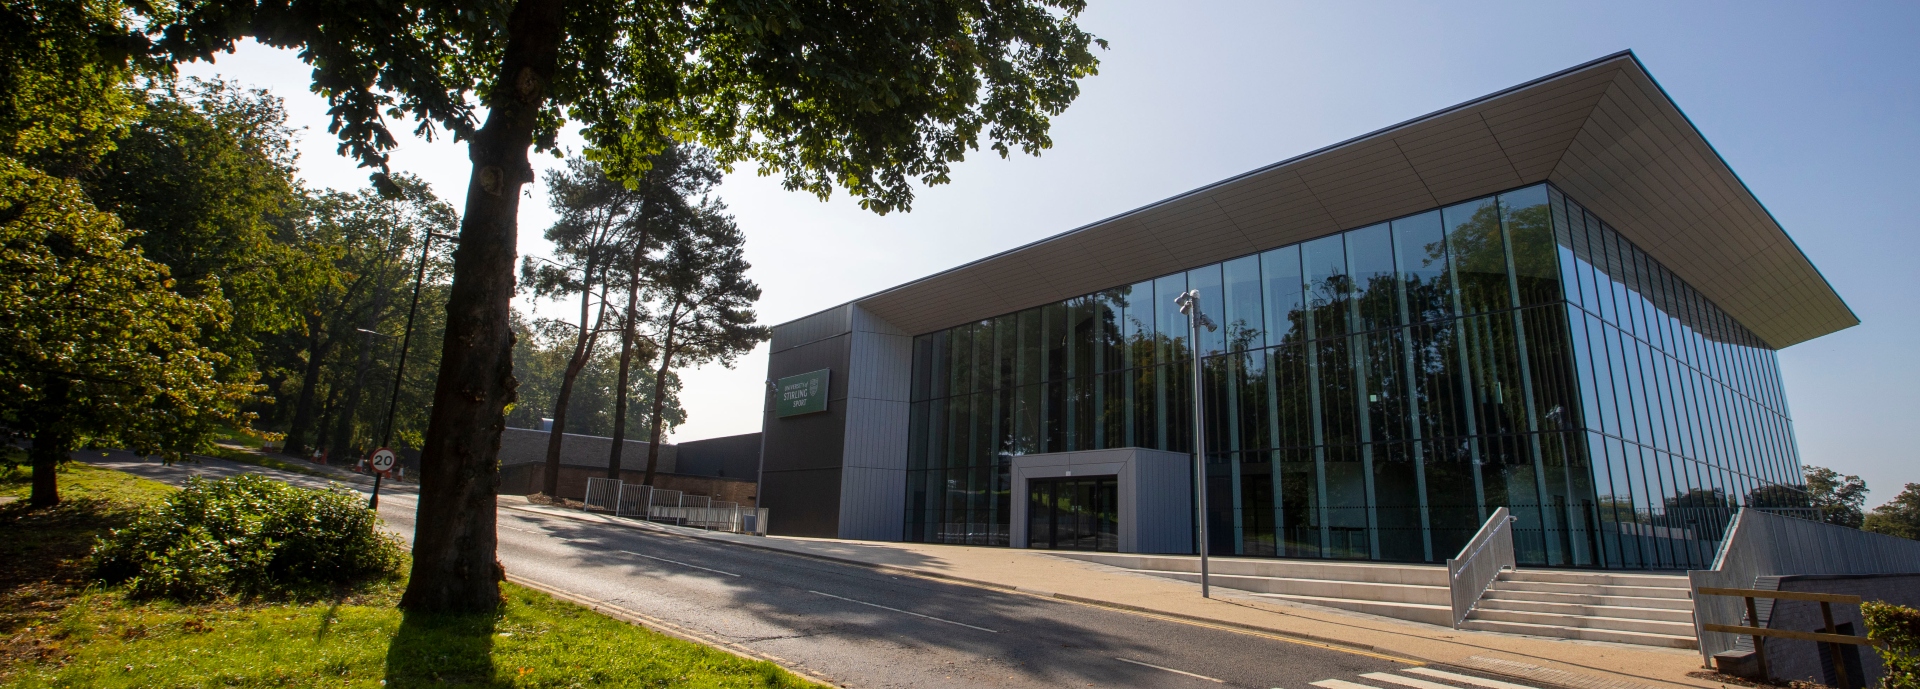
[(1479, 563), (673, 507), (635, 500), (666, 506), (603, 495), (1763, 544)]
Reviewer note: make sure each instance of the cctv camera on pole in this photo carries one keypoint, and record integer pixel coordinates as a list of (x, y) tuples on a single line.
[(1189, 303)]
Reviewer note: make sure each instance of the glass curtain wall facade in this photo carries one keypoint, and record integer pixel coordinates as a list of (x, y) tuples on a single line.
[(1377, 393), (1686, 418)]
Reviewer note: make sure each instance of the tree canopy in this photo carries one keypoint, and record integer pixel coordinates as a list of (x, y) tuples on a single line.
[(1899, 517), (95, 344), (869, 97), (1839, 497)]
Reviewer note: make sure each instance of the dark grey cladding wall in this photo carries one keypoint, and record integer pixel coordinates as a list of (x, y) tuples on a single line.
[(842, 472), (732, 456), (801, 455)]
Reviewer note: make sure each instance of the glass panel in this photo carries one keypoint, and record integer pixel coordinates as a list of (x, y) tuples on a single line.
[(1420, 251), (1285, 296), (1139, 328), (1080, 336), (984, 356), (1370, 265), (1325, 262), (1030, 353), (1006, 334), (1171, 345), (1053, 341), (1244, 319), (1479, 256), (1529, 228)]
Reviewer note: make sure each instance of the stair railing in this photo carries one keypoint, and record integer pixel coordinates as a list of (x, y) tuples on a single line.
[(1480, 563)]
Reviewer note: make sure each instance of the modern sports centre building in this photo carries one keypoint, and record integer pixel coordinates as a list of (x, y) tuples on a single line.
[(1557, 298)]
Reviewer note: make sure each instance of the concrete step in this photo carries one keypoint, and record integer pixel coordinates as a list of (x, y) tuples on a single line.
[(1584, 621), (1671, 581), (1354, 590), (1662, 614), (1431, 614), (1365, 572), (1586, 634), (1628, 591), (1589, 599)]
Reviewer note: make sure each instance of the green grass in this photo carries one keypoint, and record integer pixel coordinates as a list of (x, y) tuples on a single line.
[(58, 630), (262, 459)]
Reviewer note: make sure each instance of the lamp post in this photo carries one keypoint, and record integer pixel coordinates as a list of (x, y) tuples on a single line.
[(400, 369), (1189, 303)]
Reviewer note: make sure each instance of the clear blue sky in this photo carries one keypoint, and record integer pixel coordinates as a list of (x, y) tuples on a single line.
[(1813, 104)]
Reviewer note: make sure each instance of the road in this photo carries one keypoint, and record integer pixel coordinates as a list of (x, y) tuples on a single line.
[(859, 627)]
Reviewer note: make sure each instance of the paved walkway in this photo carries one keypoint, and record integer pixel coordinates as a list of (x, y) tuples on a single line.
[(1572, 663)]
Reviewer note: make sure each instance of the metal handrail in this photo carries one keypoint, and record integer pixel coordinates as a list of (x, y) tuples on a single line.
[(1480, 562)]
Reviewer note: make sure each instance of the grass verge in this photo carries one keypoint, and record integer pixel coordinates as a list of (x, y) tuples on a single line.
[(56, 629), (262, 459)]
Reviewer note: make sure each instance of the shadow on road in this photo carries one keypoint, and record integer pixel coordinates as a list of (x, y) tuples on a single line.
[(1031, 634)]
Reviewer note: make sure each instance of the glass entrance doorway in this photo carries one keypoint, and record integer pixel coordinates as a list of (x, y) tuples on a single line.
[(1074, 513)]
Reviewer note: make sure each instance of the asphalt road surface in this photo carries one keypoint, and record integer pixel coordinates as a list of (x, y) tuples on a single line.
[(862, 628)]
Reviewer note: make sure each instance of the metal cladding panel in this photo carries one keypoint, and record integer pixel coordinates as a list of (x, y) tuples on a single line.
[(807, 329), (1604, 132), (874, 454), (873, 502), (880, 366), (876, 434), (813, 441), (802, 503)]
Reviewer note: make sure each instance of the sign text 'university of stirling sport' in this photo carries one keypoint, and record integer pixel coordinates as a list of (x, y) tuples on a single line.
[(802, 394)]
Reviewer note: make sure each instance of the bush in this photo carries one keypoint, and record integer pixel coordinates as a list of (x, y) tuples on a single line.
[(248, 536), (1898, 631)]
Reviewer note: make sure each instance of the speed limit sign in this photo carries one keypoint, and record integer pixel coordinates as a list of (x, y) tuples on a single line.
[(383, 460)]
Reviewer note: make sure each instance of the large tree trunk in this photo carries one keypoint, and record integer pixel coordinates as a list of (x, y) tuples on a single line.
[(51, 444), (455, 568), (627, 332), (342, 437), (582, 351), (309, 384), (660, 396)]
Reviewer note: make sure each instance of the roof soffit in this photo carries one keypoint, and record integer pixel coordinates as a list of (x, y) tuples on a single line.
[(1604, 132)]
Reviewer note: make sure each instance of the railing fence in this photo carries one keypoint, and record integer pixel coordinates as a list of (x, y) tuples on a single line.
[(603, 495), (1479, 563), (672, 507), (635, 500)]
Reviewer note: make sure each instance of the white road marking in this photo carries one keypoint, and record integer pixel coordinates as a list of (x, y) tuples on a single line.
[(1465, 679), (1407, 681), (1168, 669), (1339, 684), (677, 562), (905, 612)]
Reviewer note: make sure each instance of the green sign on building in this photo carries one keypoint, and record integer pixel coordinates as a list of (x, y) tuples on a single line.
[(802, 394)]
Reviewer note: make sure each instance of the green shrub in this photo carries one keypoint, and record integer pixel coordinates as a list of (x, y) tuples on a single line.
[(248, 536), (1898, 631)]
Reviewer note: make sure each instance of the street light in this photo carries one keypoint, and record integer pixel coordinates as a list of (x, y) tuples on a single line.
[(400, 369), (1189, 303)]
